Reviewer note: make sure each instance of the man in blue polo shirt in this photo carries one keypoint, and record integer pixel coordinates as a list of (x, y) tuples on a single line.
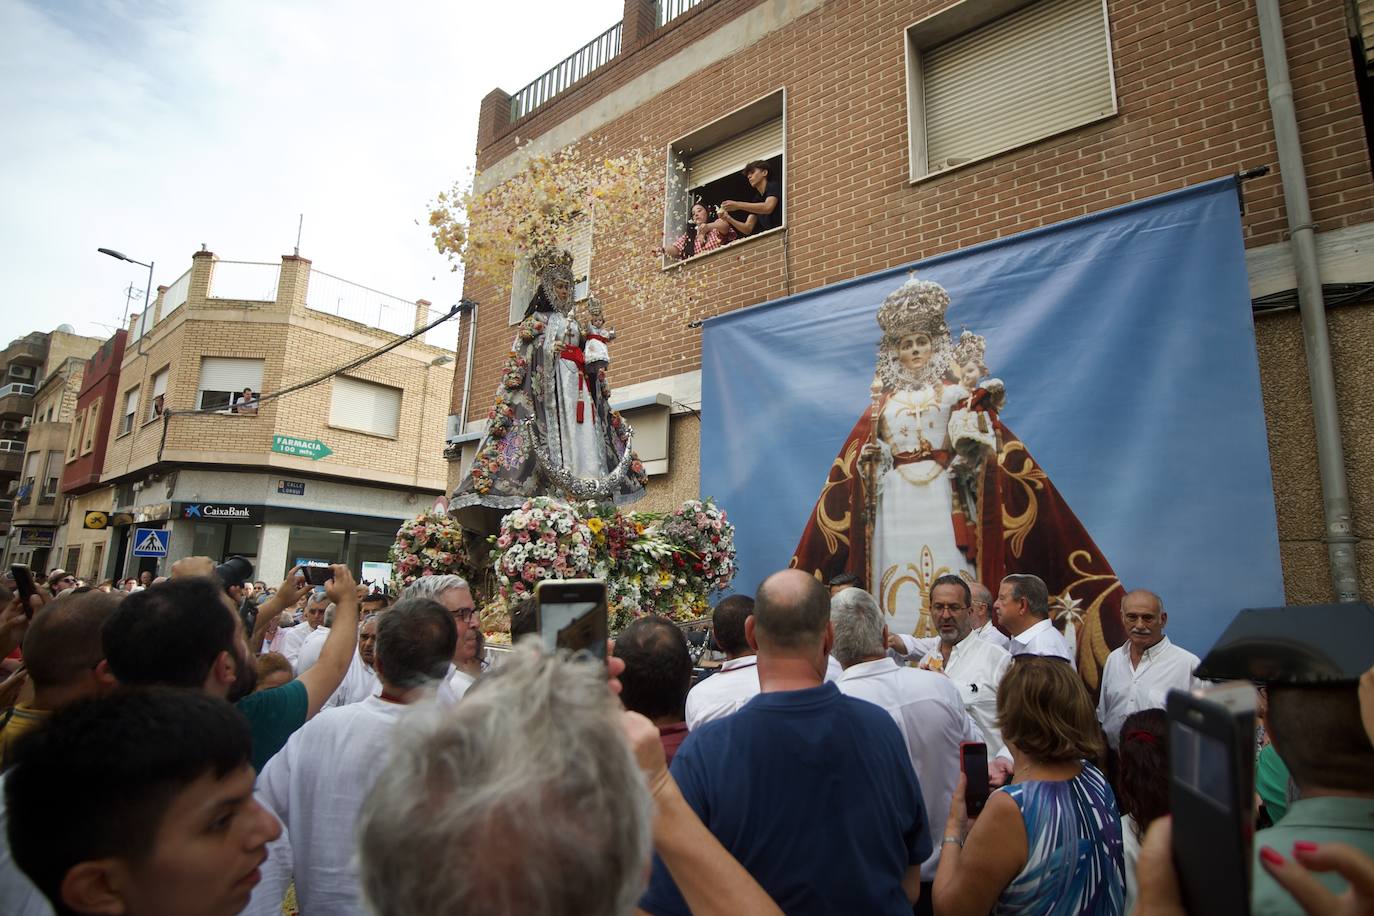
[(810, 790)]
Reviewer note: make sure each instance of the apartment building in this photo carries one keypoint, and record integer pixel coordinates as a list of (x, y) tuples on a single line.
[(22, 366), (255, 416), (872, 116), (39, 512)]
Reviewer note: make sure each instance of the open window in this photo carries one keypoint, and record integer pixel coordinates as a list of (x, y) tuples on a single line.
[(986, 78), (578, 243), (158, 403), (223, 379), (126, 424), (707, 166)]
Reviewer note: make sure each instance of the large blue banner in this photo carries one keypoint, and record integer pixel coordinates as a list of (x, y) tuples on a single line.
[(1126, 345)]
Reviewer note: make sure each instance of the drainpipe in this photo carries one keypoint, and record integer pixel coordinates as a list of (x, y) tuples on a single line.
[(470, 307), (1339, 539)]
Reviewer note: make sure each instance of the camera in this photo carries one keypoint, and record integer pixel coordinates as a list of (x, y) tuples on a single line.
[(234, 572)]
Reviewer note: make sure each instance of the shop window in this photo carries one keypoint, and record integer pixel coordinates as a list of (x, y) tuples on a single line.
[(707, 166), (985, 79), (130, 411), (158, 402), (365, 406), (367, 547), (314, 545), (208, 541), (222, 379), (578, 243)]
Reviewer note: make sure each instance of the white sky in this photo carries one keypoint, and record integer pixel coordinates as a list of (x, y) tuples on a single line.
[(151, 126)]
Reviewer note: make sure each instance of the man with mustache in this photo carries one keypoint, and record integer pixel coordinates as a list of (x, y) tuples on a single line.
[(1142, 671)]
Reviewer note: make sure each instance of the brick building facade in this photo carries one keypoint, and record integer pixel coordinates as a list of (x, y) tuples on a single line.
[(1189, 103), (323, 473)]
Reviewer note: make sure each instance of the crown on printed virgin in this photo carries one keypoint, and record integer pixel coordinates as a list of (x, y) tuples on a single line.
[(917, 306)]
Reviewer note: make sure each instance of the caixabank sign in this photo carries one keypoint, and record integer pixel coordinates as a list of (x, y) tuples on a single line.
[(219, 512)]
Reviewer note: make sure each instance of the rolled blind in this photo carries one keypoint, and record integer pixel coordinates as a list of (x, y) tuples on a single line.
[(160, 383), (131, 401), (1040, 70), (365, 406), (761, 142), (219, 373)]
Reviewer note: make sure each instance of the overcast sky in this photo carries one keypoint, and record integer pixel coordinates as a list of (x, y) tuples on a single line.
[(153, 126)]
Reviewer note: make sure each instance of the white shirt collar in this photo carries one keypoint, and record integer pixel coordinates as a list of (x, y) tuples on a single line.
[(734, 664), (877, 666), (1035, 629)]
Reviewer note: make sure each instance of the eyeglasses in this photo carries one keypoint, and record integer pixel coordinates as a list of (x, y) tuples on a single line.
[(465, 614), (940, 608)]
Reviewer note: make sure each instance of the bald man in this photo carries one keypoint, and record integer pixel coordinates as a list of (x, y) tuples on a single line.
[(1142, 671), (812, 791)]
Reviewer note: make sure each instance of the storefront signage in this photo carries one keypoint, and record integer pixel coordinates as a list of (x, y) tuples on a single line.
[(96, 520), (220, 512), (291, 487), (36, 537), (313, 449)]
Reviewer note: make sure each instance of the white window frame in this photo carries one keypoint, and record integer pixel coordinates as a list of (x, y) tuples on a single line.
[(128, 418), (677, 186), (954, 22), (226, 407), (159, 388), (339, 387), (523, 282)]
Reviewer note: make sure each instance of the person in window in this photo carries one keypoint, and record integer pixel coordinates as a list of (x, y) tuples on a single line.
[(246, 402), (758, 215), (159, 404), (705, 234)]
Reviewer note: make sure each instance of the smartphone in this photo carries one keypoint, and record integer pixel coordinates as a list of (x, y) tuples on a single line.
[(317, 575), (572, 614), (973, 760), (1211, 793), (23, 583)]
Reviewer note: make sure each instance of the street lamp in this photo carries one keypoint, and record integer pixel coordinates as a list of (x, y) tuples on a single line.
[(147, 288)]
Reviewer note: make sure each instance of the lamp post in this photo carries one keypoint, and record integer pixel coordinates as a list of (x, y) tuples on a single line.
[(147, 288)]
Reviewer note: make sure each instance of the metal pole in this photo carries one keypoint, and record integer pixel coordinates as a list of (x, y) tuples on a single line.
[(1340, 541)]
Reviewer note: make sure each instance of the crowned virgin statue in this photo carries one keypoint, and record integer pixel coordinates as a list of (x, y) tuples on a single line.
[(930, 482), (551, 431)]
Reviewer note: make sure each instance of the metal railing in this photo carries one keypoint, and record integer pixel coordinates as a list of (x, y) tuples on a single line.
[(346, 299), (248, 281), (668, 10), (566, 72), (176, 294)]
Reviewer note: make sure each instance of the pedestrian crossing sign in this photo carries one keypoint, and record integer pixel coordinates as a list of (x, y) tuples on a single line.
[(150, 542)]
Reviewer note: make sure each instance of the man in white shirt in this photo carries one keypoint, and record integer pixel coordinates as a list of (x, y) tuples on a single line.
[(1141, 672), (926, 707), (317, 783), (975, 666), (314, 642), (1023, 602), (313, 618), (984, 627), (737, 681), (453, 593)]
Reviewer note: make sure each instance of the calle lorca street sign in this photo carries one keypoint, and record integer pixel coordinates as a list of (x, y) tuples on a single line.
[(313, 449)]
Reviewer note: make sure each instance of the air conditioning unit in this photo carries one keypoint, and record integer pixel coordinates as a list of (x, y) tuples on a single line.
[(26, 423)]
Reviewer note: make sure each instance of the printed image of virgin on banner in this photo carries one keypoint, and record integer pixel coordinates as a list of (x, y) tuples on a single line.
[(1080, 402)]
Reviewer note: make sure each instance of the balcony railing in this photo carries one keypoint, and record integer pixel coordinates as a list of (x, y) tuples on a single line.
[(668, 10), (568, 71)]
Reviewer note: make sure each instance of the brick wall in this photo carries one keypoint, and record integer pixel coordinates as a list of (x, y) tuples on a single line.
[(1192, 106)]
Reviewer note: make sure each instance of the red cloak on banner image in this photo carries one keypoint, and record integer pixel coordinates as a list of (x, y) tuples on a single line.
[(1022, 525)]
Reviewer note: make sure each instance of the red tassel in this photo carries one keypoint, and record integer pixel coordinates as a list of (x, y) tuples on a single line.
[(581, 405)]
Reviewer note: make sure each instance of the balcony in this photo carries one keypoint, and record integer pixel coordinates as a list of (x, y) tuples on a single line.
[(16, 399), (11, 456), (23, 350)]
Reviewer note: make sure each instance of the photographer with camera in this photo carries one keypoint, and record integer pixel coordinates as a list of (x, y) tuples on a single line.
[(186, 633)]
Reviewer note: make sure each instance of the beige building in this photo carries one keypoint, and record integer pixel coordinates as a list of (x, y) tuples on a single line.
[(39, 516), (345, 443)]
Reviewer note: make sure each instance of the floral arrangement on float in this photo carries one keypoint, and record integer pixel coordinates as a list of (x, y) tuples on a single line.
[(652, 563), (430, 544)]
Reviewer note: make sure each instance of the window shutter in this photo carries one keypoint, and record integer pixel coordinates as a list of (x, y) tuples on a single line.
[(761, 142), (131, 401), (160, 383), (1366, 9), (365, 406), (224, 374), (1032, 74)]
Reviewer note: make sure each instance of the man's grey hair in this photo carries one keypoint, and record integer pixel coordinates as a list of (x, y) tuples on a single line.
[(981, 593), (858, 626), (1033, 590), (433, 586), (532, 778)]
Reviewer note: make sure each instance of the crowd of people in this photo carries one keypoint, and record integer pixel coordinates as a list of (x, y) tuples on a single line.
[(337, 751)]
